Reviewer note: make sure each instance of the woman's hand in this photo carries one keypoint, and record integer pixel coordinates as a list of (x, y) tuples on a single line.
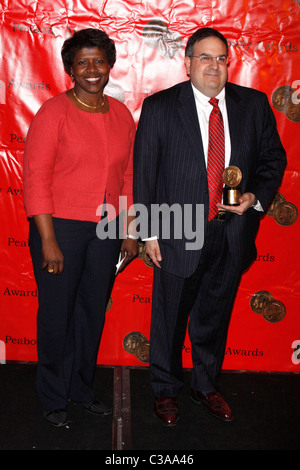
[(53, 258), (129, 250)]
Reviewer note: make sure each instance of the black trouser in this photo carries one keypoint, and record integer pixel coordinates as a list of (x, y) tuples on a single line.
[(71, 310), (206, 298)]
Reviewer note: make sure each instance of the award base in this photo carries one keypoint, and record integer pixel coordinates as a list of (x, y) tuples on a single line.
[(231, 196)]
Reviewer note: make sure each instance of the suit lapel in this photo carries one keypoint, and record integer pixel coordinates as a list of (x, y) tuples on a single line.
[(236, 119), (189, 118)]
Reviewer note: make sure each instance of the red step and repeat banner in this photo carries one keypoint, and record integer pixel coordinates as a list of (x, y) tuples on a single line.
[(150, 36)]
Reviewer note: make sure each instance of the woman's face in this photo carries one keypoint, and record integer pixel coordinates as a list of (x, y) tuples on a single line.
[(90, 70)]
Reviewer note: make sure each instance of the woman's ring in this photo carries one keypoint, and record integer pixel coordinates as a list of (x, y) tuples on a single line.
[(50, 270)]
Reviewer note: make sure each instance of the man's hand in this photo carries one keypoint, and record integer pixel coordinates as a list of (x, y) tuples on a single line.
[(153, 251), (246, 201)]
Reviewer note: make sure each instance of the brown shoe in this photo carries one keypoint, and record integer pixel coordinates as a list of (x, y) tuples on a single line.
[(166, 410), (216, 405)]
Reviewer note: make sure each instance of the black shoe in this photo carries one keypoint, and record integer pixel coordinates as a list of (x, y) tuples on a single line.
[(56, 417), (98, 408)]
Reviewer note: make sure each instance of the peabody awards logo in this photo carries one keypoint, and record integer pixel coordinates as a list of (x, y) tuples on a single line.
[(263, 303), (285, 100), (285, 213), (157, 35), (136, 343)]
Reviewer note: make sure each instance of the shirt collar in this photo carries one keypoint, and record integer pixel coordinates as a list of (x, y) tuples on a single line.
[(205, 99)]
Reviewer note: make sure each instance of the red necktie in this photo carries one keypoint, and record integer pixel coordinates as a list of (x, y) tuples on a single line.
[(216, 156)]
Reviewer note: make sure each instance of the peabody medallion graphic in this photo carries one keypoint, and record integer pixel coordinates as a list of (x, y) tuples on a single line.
[(293, 112), (263, 303), (114, 90), (278, 198), (157, 35), (142, 351), (274, 311), (282, 100), (285, 213), (259, 300), (136, 343)]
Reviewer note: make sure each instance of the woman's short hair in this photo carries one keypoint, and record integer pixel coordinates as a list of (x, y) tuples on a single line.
[(89, 38), (200, 34)]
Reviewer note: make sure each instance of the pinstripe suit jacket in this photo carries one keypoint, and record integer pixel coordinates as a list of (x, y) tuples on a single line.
[(169, 165)]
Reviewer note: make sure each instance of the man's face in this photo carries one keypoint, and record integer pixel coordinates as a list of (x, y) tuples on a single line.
[(209, 78)]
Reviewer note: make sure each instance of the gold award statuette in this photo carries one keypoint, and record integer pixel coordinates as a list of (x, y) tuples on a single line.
[(232, 177)]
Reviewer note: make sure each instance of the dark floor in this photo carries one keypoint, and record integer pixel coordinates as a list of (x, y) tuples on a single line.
[(266, 409)]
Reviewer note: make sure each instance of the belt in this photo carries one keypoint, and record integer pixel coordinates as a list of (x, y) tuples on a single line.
[(220, 216)]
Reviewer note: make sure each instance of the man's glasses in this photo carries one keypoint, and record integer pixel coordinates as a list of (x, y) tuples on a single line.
[(207, 59)]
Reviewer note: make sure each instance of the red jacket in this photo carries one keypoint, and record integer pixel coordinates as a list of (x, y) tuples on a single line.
[(74, 159)]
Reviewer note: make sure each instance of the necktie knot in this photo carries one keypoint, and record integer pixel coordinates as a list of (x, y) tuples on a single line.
[(214, 102)]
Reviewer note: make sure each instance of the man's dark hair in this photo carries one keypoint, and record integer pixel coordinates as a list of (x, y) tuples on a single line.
[(200, 34), (89, 38)]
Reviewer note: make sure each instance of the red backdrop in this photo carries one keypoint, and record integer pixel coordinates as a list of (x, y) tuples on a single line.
[(264, 38)]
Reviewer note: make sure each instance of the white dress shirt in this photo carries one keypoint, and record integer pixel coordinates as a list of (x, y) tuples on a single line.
[(204, 109)]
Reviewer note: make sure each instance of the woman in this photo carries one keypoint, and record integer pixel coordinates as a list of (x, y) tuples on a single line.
[(77, 160)]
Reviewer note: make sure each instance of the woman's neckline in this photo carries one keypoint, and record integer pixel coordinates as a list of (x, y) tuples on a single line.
[(70, 97)]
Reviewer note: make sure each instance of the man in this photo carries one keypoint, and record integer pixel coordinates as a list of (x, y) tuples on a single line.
[(172, 166)]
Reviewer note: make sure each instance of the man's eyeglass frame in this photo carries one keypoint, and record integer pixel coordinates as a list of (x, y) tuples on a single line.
[(207, 59)]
